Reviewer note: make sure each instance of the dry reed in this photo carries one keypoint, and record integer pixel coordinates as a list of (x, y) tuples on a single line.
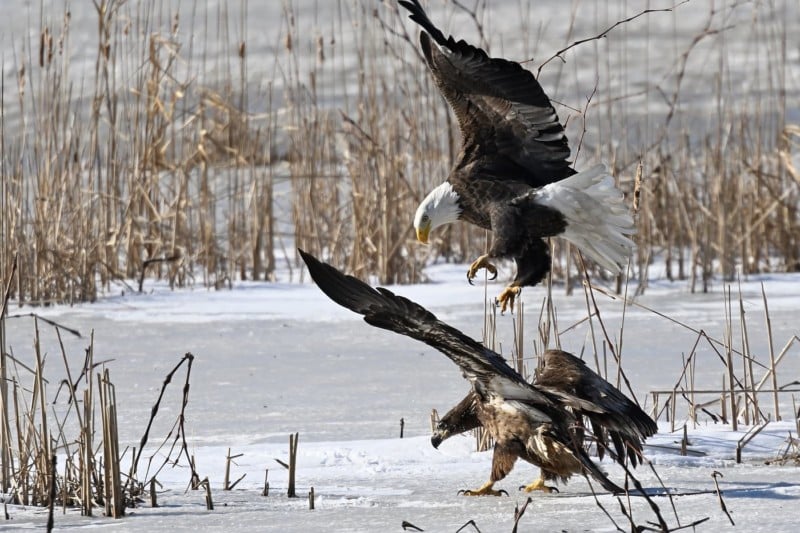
[(172, 160), (82, 431)]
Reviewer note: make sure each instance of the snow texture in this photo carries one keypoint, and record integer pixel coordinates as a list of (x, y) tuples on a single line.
[(273, 359)]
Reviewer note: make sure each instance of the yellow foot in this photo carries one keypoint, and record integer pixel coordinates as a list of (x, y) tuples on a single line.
[(506, 298), (479, 263), (485, 490), (538, 485)]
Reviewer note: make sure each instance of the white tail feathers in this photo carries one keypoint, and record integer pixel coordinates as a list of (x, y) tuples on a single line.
[(598, 221)]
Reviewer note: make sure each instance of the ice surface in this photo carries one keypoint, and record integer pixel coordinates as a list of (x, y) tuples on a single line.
[(271, 359)]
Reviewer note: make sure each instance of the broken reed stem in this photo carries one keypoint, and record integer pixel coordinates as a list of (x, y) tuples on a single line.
[(518, 512), (684, 441), (226, 485), (44, 451), (180, 435), (747, 366), (6, 452), (226, 479), (714, 476), (87, 446), (519, 340), (595, 311), (728, 334), (52, 496), (662, 524), (153, 493), (746, 438), (86, 481), (209, 501), (772, 362), (114, 495), (293, 439), (796, 415)]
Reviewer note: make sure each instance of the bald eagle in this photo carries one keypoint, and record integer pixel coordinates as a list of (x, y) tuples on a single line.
[(512, 175), (611, 414), (526, 420)]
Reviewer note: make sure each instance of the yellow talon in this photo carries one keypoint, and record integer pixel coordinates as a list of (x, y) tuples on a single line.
[(539, 485), (479, 263), (507, 297), (485, 490)]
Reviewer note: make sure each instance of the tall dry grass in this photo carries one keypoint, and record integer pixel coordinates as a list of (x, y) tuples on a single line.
[(59, 439), (194, 151)]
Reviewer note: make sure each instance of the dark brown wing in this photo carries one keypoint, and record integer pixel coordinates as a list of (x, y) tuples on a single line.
[(501, 108), (490, 375), (485, 369), (611, 413)]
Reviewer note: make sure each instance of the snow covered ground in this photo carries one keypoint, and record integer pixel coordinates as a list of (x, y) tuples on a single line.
[(271, 359)]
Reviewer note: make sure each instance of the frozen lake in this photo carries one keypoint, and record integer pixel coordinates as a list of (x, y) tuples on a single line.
[(273, 359)]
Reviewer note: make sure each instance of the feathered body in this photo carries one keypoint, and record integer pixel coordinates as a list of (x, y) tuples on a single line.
[(526, 420), (512, 175), (612, 416)]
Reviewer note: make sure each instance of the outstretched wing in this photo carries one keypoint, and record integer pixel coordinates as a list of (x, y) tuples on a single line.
[(499, 105), (611, 413), (486, 369)]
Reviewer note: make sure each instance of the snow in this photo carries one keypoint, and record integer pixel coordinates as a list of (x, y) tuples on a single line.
[(277, 358), (273, 359)]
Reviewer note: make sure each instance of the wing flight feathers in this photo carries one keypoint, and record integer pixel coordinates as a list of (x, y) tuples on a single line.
[(500, 106), (384, 309)]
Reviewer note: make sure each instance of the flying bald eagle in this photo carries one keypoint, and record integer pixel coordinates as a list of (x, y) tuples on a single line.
[(611, 414), (526, 420), (512, 176)]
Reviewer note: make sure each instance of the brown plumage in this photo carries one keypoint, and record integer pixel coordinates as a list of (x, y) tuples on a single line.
[(612, 416), (619, 419), (525, 420)]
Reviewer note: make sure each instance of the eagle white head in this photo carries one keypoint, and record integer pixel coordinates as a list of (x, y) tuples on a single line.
[(438, 208)]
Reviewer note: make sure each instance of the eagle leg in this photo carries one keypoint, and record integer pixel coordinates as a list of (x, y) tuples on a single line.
[(507, 297), (538, 485), (479, 263), (485, 490)]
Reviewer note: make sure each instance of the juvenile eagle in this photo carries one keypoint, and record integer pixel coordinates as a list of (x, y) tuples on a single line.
[(528, 421), (611, 414), (512, 175)]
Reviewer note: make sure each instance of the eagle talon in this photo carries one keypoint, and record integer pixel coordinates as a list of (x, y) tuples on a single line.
[(506, 298), (485, 490), (468, 492), (539, 485), (545, 489), (479, 263)]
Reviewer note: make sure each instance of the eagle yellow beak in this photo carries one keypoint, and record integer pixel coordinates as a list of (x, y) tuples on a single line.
[(422, 233)]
